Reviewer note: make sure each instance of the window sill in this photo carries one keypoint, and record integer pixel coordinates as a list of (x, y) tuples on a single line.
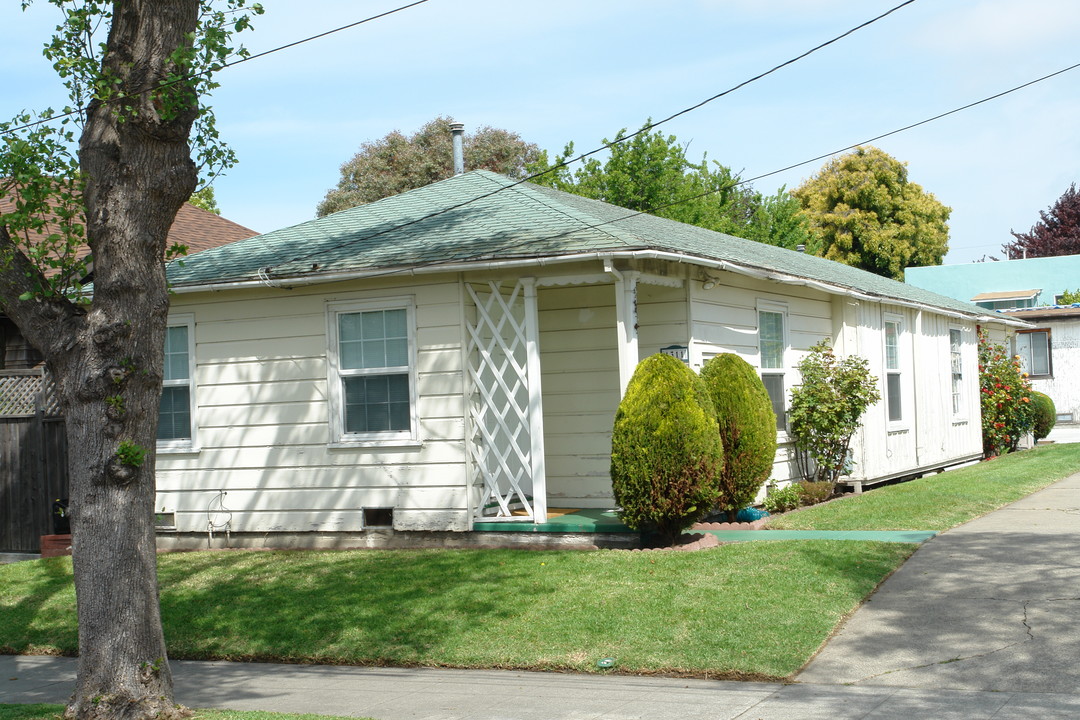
[(186, 449), (412, 444)]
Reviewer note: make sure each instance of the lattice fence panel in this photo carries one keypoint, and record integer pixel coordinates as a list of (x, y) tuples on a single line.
[(23, 394)]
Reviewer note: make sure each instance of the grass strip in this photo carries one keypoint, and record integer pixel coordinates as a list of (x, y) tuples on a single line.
[(941, 501), (54, 712), (746, 610)]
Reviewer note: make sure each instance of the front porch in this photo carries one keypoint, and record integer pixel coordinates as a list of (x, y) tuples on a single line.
[(562, 520)]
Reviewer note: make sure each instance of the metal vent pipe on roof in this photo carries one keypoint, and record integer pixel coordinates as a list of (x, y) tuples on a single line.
[(457, 132)]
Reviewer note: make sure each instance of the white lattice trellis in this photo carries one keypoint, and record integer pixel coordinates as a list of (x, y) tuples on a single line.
[(26, 392), (504, 410)]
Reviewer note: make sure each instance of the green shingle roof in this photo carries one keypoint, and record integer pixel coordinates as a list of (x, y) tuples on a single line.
[(481, 216)]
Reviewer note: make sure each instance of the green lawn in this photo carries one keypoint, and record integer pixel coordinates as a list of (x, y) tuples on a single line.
[(741, 610), (53, 712), (942, 501)]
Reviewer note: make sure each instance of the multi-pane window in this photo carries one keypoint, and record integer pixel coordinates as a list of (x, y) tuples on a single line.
[(174, 416), (957, 370), (374, 383), (1033, 347), (893, 385), (771, 345)]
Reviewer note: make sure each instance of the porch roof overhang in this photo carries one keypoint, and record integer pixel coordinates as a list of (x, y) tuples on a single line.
[(541, 261)]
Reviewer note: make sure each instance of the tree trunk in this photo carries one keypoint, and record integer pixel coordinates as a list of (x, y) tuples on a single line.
[(106, 359)]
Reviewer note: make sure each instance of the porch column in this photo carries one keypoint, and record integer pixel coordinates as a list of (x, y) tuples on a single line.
[(536, 405), (626, 324)]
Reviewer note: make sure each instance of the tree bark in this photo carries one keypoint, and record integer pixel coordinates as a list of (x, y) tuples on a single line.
[(106, 358)]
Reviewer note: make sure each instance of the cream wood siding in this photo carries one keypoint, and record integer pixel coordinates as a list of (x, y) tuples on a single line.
[(724, 319), (263, 417), (929, 434), (580, 383), (662, 318)]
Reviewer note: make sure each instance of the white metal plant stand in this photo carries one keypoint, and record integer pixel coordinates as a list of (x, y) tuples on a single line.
[(507, 438)]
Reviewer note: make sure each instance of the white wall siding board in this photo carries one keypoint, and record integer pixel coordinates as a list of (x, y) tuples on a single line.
[(579, 366), (1063, 387), (264, 430)]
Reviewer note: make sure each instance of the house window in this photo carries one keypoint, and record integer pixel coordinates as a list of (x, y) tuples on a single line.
[(372, 373), (1033, 347), (893, 384), (175, 426), (957, 369), (771, 346)]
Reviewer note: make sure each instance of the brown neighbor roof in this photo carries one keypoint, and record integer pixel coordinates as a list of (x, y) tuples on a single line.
[(1049, 312), (194, 227), (1006, 295)]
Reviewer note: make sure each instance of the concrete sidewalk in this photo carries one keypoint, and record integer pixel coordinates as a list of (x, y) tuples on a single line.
[(979, 623), (415, 694), (991, 605)]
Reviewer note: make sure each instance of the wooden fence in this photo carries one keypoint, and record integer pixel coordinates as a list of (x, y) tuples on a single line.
[(33, 459)]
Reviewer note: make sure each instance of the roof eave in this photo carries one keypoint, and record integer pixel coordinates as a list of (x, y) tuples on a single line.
[(762, 273)]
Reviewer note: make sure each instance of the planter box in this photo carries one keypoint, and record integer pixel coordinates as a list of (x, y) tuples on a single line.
[(55, 545)]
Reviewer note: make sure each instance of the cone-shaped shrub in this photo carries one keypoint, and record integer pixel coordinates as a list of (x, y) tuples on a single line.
[(1045, 415), (665, 450), (747, 429)]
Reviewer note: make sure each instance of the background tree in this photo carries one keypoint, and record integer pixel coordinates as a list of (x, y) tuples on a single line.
[(396, 163), (1056, 233), (135, 99), (1070, 297), (650, 172), (864, 212), (204, 198)]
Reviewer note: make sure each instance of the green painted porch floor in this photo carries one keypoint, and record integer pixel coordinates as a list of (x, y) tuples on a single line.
[(597, 520)]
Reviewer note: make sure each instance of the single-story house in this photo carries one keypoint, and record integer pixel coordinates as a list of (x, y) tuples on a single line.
[(33, 447), (455, 354), (1030, 290)]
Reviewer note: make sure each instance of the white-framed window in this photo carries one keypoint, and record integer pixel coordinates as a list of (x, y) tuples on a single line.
[(1033, 347), (956, 370), (772, 357), (372, 372), (894, 387), (176, 414)]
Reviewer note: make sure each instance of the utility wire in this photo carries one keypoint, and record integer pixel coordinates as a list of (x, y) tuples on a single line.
[(606, 146), (233, 63), (651, 210)]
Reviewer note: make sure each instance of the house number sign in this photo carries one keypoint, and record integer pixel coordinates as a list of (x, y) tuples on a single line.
[(679, 352)]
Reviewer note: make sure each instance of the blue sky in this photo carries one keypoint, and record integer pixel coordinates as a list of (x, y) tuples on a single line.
[(580, 70)]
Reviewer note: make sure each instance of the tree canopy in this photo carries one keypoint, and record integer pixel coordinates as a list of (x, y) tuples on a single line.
[(110, 172), (1056, 233), (396, 163), (863, 211), (651, 173)]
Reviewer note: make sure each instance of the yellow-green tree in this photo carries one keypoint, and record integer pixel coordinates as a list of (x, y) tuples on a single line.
[(863, 211)]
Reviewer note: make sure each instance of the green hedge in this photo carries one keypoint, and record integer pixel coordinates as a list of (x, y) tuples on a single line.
[(666, 454), (747, 426)]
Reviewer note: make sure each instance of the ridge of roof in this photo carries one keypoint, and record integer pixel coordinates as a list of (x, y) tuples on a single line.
[(481, 216)]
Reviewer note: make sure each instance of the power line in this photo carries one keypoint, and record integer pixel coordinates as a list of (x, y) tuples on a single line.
[(645, 128), (633, 214), (234, 63)]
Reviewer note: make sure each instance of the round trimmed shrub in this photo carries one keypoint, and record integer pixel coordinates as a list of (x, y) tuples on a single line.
[(665, 450), (1045, 415), (747, 426)]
